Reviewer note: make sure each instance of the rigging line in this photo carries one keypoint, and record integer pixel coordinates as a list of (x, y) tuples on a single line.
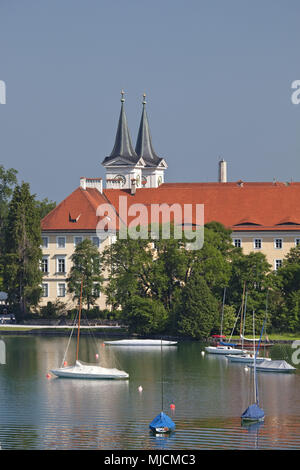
[(74, 323), (237, 317)]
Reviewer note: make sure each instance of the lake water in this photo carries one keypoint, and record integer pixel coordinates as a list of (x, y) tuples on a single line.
[(209, 394)]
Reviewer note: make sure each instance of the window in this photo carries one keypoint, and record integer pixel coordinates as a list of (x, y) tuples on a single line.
[(95, 241), (237, 242), (61, 264), (297, 241), (44, 242), (77, 240), (45, 290), (278, 243), (96, 290), (44, 265), (60, 242), (257, 243), (278, 263), (61, 290)]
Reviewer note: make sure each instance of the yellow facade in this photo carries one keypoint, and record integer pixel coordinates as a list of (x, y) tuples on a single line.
[(57, 250), (274, 245)]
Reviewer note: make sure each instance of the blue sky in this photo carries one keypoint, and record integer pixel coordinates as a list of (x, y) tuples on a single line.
[(217, 74)]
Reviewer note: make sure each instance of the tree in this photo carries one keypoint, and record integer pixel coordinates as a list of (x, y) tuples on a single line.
[(8, 180), (144, 315), (285, 304), (86, 268), (200, 309), (22, 276), (45, 206)]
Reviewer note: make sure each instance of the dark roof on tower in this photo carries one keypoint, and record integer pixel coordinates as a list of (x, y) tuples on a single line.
[(123, 146), (144, 147)]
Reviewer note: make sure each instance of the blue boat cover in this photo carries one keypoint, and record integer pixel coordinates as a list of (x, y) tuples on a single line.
[(162, 421), (227, 344), (253, 412)]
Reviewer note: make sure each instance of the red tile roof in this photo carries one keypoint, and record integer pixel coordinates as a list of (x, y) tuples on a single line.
[(239, 206)]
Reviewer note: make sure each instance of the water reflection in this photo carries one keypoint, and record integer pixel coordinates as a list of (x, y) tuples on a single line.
[(209, 394)]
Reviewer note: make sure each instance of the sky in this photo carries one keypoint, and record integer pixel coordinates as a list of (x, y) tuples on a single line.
[(217, 75)]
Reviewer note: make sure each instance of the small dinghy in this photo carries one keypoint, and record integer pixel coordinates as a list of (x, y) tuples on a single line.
[(141, 342), (162, 424)]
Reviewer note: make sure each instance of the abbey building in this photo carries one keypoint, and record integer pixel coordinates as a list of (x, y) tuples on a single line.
[(263, 216)]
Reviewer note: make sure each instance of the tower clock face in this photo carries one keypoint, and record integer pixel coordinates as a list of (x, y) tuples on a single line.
[(121, 178)]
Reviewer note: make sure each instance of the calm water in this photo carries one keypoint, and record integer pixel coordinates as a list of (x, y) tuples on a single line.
[(209, 394)]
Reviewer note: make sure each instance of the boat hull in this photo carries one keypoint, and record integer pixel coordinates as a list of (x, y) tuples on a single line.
[(277, 366), (141, 342), (225, 350), (245, 359), (81, 371)]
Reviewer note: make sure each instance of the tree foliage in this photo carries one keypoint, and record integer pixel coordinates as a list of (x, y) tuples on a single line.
[(22, 253), (86, 269)]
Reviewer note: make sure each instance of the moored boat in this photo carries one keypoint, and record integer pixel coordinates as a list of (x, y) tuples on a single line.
[(141, 342), (275, 366)]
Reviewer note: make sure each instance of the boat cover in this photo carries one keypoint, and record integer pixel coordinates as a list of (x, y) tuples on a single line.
[(253, 412), (162, 421), (227, 344), (275, 365)]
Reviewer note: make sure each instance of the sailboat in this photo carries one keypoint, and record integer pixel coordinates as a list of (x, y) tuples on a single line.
[(87, 371), (224, 348), (254, 412), (162, 423), (246, 357)]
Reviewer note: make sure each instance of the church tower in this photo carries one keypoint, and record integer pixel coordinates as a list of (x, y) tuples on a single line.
[(123, 166), (129, 168), (153, 171)]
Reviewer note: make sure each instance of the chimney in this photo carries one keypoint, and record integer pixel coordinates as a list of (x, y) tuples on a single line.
[(222, 171), (133, 187)]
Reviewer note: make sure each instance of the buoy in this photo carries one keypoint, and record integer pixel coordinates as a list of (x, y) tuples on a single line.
[(97, 356), (202, 353), (48, 376), (172, 406), (65, 363), (246, 368), (140, 388)]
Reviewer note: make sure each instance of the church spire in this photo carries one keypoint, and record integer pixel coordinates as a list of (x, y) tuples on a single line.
[(123, 146), (144, 147)]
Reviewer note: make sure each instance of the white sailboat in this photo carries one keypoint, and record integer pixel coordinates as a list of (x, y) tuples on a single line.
[(87, 371), (224, 348)]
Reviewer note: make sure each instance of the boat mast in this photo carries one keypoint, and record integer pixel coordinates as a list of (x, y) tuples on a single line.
[(162, 377), (78, 332), (255, 382), (222, 318)]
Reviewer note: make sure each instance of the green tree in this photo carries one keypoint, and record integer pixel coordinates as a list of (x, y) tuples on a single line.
[(22, 253), (144, 315), (45, 206), (86, 268), (8, 180), (285, 296), (200, 309)]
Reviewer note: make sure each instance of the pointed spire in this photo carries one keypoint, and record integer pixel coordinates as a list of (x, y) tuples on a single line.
[(123, 146), (144, 146)]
